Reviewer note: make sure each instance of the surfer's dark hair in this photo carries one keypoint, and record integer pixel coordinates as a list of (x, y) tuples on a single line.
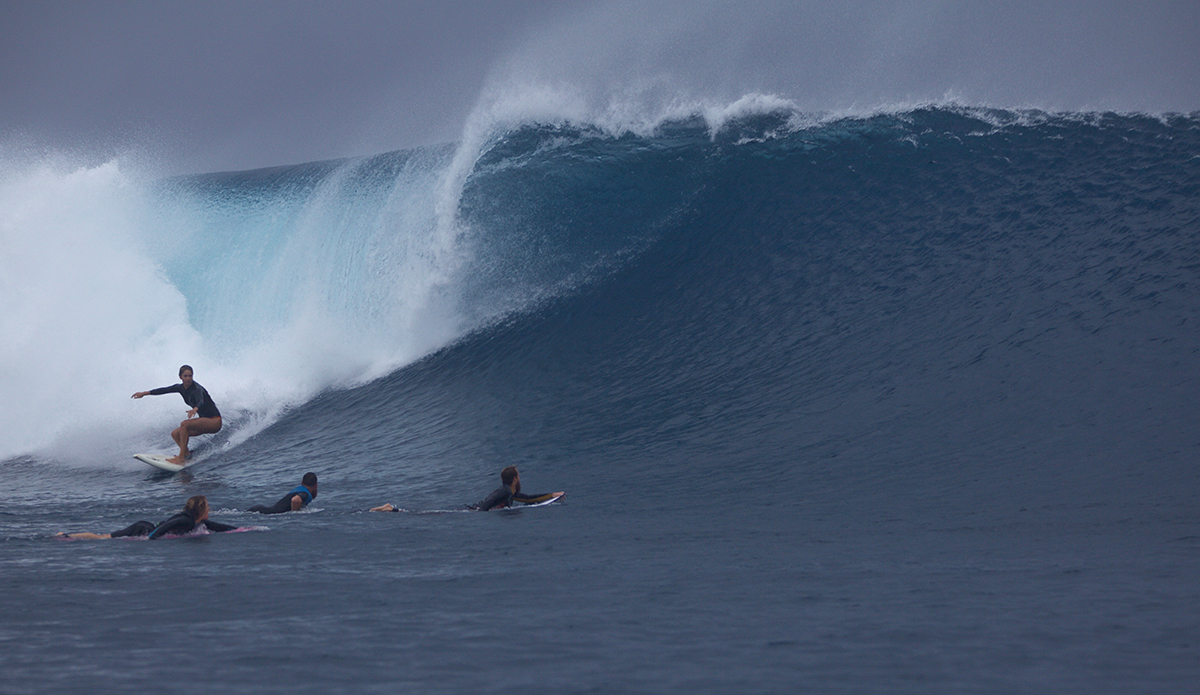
[(309, 479), (186, 368), (508, 475)]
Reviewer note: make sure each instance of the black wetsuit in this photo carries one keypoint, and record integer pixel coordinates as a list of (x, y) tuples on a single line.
[(196, 396), (285, 504), (503, 497), (177, 525)]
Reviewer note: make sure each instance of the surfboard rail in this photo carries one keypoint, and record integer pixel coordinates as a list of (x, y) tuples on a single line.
[(161, 462)]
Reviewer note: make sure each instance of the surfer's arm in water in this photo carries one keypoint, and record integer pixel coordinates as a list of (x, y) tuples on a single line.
[(217, 527), (384, 508), (535, 499)]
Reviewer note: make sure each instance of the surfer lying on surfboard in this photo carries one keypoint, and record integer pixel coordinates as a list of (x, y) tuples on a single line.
[(208, 418), (505, 496), (195, 513), (293, 501)]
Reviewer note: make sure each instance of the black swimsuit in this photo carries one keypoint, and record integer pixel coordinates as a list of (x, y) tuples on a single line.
[(196, 396), (177, 525), (285, 504), (503, 497)]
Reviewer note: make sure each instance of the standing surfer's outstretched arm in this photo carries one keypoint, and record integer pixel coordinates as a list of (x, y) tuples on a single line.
[(158, 391)]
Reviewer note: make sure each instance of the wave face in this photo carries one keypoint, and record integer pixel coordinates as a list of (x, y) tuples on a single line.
[(970, 292), (933, 301), (900, 403)]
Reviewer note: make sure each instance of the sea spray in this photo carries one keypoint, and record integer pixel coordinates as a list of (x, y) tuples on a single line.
[(86, 311), (273, 284)]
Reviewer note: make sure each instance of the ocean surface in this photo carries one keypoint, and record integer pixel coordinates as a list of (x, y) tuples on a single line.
[(903, 402)]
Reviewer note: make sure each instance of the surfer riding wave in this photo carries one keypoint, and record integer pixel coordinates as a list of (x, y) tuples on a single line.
[(204, 410)]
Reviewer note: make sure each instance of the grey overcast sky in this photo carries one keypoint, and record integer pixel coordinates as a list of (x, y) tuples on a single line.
[(236, 84)]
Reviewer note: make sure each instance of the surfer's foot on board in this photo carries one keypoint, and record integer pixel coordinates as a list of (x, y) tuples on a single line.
[(179, 459)]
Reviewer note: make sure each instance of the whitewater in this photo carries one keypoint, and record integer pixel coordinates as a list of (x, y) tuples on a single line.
[(881, 402)]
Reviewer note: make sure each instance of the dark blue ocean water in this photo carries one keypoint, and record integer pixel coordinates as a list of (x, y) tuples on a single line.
[(899, 404)]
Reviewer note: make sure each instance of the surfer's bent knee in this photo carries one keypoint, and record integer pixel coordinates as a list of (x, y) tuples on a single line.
[(203, 425)]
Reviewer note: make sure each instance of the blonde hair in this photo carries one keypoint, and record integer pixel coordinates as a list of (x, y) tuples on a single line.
[(196, 506)]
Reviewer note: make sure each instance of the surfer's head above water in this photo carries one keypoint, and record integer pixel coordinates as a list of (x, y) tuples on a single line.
[(197, 507)]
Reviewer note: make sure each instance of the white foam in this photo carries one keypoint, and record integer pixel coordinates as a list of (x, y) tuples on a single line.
[(314, 293), (85, 308)]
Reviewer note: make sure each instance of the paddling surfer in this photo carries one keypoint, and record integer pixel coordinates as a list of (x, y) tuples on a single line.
[(194, 514), (207, 417), (293, 501), (508, 494)]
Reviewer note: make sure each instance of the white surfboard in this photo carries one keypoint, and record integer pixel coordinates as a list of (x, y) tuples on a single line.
[(161, 462), (553, 498)]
